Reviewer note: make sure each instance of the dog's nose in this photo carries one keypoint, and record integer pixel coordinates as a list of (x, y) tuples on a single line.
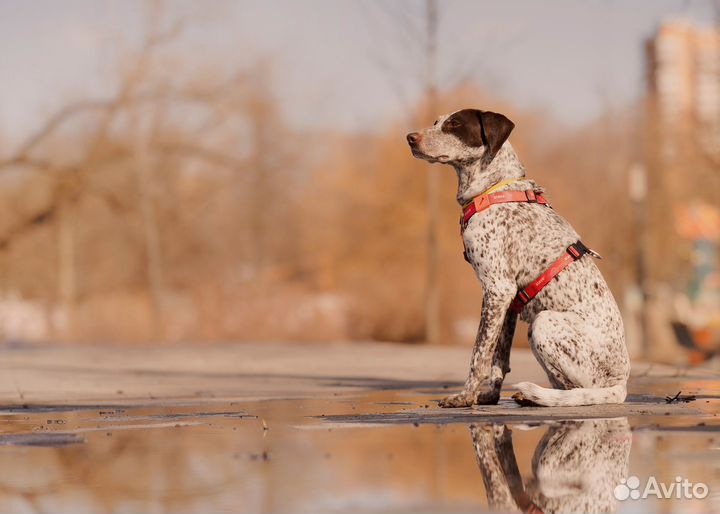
[(413, 137)]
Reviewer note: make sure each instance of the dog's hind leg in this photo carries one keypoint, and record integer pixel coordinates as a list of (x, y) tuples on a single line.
[(501, 357), (583, 369)]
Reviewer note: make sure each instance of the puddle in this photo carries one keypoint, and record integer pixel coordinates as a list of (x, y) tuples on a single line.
[(40, 439), (381, 451)]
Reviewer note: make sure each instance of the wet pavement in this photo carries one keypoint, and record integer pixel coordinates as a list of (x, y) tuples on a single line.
[(233, 429)]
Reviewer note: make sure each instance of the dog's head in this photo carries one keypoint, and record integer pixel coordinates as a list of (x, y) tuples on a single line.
[(465, 135)]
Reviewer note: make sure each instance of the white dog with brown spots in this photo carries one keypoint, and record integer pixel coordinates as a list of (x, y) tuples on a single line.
[(514, 245)]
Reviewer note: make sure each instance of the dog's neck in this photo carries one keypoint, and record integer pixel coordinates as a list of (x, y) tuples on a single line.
[(478, 175)]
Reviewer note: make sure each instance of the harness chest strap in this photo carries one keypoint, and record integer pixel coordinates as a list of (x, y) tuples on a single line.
[(572, 253)]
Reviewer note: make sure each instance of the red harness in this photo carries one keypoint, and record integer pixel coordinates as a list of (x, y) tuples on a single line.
[(530, 291), (482, 202), (572, 253)]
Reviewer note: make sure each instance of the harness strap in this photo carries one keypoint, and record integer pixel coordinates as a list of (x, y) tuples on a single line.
[(534, 509), (572, 253), (484, 201)]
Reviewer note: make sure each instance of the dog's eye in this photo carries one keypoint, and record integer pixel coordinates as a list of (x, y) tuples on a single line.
[(453, 123)]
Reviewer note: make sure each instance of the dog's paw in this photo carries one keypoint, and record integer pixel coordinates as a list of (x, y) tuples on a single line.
[(463, 399), (468, 399), (488, 397)]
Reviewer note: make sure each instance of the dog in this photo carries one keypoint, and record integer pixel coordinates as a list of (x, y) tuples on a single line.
[(576, 466), (575, 328)]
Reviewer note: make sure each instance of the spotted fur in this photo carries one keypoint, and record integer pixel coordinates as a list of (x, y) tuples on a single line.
[(575, 329)]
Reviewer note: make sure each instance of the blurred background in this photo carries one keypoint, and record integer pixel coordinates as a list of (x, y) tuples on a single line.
[(222, 171)]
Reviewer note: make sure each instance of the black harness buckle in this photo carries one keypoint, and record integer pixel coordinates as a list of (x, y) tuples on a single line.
[(577, 250), (523, 296)]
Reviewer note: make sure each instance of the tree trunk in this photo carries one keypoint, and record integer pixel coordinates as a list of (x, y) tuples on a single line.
[(67, 279), (151, 233)]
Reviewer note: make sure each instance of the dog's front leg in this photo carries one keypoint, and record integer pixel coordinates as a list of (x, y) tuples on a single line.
[(489, 361), (501, 357)]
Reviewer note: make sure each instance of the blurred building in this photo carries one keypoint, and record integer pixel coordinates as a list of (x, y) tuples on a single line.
[(684, 76), (682, 156)]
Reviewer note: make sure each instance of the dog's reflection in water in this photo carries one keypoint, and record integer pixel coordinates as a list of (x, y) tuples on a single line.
[(576, 466)]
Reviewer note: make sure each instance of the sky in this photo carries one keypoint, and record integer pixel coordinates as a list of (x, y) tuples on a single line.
[(348, 64)]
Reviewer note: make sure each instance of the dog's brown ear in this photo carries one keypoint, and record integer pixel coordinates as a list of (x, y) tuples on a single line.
[(496, 129)]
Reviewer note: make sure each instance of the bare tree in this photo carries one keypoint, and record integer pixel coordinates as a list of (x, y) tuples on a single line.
[(432, 295), (135, 130), (417, 35)]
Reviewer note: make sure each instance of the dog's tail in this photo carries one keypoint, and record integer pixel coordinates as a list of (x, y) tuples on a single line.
[(571, 397)]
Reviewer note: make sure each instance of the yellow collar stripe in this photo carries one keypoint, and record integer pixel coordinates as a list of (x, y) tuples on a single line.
[(499, 185)]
